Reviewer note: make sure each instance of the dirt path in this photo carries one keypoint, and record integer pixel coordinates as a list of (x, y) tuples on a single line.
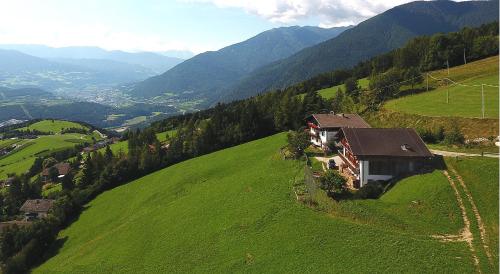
[(455, 154), (466, 234), (480, 224)]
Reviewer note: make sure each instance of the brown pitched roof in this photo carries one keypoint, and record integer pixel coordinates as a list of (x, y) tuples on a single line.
[(37, 205), (62, 168), (340, 120), (397, 142)]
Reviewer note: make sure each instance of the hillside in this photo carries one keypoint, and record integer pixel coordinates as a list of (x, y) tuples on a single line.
[(210, 72), (20, 159), (379, 34), (93, 113), (235, 211), (463, 101)]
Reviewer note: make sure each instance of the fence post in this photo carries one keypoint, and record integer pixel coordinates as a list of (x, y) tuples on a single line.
[(482, 99)]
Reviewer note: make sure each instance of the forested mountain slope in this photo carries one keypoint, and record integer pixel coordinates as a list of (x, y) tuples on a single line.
[(210, 72), (374, 36)]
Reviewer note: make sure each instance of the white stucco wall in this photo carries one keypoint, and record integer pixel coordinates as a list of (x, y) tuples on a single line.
[(327, 136)]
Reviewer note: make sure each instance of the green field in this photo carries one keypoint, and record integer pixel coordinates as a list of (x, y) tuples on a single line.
[(481, 178), (54, 126), (235, 211), (123, 145), (135, 120), (21, 159), (463, 101), (328, 93)]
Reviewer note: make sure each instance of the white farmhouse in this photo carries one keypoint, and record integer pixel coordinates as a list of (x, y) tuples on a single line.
[(324, 128)]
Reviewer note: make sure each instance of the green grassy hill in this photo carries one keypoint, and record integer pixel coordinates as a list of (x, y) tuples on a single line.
[(21, 159), (54, 126), (123, 145), (235, 211), (328, 93), (463, 101)]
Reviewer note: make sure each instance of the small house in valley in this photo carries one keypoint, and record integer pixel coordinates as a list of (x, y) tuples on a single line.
[(372, 154), (36, 208), (62, 170), (324, 128)]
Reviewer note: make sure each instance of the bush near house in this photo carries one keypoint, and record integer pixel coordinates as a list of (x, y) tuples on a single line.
[(333, 183)]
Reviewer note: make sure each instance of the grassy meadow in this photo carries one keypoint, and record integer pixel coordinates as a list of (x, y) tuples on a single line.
[(463, 101), (328, 93), (235, 211), (23, 157), (123, 145), (54, 126)]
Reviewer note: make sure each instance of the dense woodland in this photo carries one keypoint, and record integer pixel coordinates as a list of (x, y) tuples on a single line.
[(227, 125)]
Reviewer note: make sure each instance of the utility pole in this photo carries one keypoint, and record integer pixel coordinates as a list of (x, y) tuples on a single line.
[(448, 66), (482, 99), (427, 80), (465, 59), (447, 93)]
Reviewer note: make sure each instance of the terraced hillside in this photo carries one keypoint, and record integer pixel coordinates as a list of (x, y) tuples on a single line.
[(463, 101), (235, 211)]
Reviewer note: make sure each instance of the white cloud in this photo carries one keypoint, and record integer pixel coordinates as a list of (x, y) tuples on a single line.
[(330, 12)]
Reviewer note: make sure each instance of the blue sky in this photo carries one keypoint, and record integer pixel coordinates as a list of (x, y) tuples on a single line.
[(154, 25)]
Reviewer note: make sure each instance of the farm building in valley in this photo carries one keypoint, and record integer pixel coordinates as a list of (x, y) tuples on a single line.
[(37, 208), (324, 128), (372, 154)]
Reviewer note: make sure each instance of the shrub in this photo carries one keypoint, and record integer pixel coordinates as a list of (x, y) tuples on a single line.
[(372, 190), (332, 182), (454, 136), (297, 142)]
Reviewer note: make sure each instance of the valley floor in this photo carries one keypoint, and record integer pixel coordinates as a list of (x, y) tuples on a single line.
[(235, 211)]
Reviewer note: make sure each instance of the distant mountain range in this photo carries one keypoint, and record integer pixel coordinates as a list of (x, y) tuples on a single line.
[(158, 63), (379, 34), (18, 70), (208, 73)]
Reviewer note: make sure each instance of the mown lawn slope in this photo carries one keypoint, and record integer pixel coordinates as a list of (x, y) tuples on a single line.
[(463, 101), (235, 211)]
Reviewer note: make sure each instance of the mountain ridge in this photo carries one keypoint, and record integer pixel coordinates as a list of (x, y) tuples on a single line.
[(359, 43), (217, 69), (154, 61)]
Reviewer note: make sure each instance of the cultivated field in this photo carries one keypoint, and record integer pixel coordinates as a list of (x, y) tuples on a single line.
[(462, 101), (235, 211)]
